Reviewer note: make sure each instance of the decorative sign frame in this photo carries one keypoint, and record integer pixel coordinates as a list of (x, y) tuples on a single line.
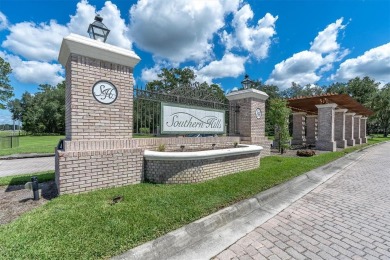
[(258, 113), (183, 119), (105, 92)]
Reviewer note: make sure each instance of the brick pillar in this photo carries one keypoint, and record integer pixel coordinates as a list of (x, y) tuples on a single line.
[(339, 128), (363, 129), (299, 121), (326, 120), (311, 129), (356, 129), (250, 120), (349, 126), (99, 117)]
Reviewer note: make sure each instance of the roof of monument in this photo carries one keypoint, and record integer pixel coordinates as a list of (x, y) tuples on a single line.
[(343, 101)]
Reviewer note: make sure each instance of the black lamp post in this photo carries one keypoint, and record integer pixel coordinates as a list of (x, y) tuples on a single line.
[(246, 83), (97, 30)]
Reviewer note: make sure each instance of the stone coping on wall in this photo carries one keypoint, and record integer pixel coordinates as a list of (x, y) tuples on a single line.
[(200, 155), (111, 144)]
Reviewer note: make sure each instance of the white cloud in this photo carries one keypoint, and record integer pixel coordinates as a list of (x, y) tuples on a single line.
[(150, 74), (300, 68), (178, 30), (229, 66), (326, 41), (254, 39), (35, 72), (3, 21), (35, 41), (374, 63), (307, 67), (42, 41)]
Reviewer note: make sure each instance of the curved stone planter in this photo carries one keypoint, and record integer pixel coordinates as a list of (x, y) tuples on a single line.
[(192, 167)]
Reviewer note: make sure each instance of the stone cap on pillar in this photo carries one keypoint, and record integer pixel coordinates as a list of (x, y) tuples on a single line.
[(350, 114), (341, 110), (358, 116), (247, 93), (333, 105), (91, 48), (364, 118)]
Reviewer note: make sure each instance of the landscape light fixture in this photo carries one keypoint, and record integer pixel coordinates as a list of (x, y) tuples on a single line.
[(97, 30), (246, 83)]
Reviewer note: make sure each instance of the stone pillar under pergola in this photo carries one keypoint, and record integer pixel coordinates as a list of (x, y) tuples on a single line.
[(298, 128), (349, 126), (311, 129), (339, 128), (326, 119), (356, 129), (363, 129)]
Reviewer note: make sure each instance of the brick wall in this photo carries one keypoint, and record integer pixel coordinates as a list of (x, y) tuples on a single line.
[(86, 118), (82, 171), (193, 171), (299, 121)]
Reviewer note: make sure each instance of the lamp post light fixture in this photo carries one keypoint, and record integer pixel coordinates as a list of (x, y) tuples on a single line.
[(246, 83), (97, 30)]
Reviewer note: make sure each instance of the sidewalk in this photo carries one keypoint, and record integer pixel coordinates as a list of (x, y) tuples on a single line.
[(26, 165)]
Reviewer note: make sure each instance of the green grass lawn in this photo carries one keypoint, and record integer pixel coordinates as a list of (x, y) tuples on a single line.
[(33, 144), (22, 179), (87, 226)]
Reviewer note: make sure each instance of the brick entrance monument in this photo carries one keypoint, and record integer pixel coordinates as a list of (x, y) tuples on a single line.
[(99, 119)]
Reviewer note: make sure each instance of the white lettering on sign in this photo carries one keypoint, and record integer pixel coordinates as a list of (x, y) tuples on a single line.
[(186, 120)]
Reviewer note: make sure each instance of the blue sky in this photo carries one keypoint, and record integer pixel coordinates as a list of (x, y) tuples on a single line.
[(276, 41)]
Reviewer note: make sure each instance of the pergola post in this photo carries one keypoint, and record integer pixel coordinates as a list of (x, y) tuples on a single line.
[(363, 129), (339, 132), (356, 129), (311, 129), (349, 127), (326, 120), (298, 128)]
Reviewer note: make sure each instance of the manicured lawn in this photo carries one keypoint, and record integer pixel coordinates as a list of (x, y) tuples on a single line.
[(87, 226), (33, 144), (22, 179)]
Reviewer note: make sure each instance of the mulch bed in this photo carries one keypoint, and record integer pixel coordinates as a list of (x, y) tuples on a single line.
[(16, 200)]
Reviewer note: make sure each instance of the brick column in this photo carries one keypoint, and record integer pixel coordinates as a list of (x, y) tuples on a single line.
[(250, 120), (339, 128), (363, 129), (299, 121), (311, 129), (356, 129), (349, 126), (326, 120), (99, 117)]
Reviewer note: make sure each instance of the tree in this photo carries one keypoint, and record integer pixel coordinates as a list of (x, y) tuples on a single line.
[(297, 90), (15, 107), (338, 88), (6, 90), (381, 107), (362, 90), (169, 79), (279, 116), (44, 112)]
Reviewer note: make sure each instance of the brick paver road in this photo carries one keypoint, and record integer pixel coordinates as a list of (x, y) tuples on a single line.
[(347, 217)]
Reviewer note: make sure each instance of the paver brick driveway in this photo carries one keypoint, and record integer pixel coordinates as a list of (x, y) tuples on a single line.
[(348, 217)]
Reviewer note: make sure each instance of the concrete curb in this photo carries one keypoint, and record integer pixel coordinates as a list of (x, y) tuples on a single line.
[(210, 235), (27, 155)]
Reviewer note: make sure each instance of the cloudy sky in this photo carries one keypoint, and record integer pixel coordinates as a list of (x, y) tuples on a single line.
[(275, 41)]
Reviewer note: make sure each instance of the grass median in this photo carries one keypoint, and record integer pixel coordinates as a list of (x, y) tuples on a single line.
[(88, 226), (33, 144)]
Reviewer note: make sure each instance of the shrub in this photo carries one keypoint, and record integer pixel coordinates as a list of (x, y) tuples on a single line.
[(306, 153), (144, 130), (161, 148)]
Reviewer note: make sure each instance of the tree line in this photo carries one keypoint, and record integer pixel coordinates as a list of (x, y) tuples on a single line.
[(44, 111)]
